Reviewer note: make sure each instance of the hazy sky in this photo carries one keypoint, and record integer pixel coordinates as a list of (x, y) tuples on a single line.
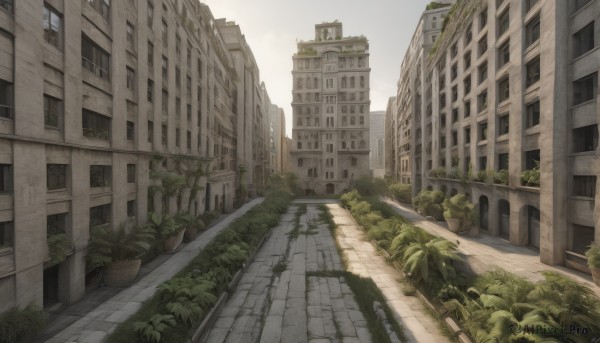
[(272, 27)]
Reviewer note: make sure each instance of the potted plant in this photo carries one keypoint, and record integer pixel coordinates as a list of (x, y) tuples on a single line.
[(168, 229), (429, 203), (190, 223), (593, 260), (118, 251), (458, 212)]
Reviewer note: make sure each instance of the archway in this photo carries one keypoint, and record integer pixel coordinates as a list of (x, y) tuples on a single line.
[(504, 218), (329, 188), (533, 227), (484, 211)]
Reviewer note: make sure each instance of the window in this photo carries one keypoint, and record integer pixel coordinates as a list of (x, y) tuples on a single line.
[(454, 138), (467, 60), (482, 46), (150, 14), (299, 145), (578, 4), (482, 19), (131, 208), (502, 161), (6, 177), (300, 162), (482, 101), (6, 228), (503, 90), (94, 59), (150, 131), (454, 93), (56, 176), (504, 54), (467, 109), (130, 79), (7, 5), (533, 72), (503, 23), (585, 138), (52, 26), (56, 224), (533, 114), (6, 99), (102, 7), (467, 135), (99, 215), (52, 112), (467, 85), (95, 125), (165, 102), (469, 34), (165, 32), (353, 161), (483, 131), (529, 4), (100, 176), (177, 77), (189, 140), (443, 142), (581, 238), (130, 130), (177, 138), (584, 186), (150, 95), (503, 122), (454, 115), (150, 58), (482, 73), (454, 71), (453, 50), (443, 120), (130, 36), (131, 173), (532, 31), (532, 159), (583, 40), (585, 89), (482, 162), (178, 107)]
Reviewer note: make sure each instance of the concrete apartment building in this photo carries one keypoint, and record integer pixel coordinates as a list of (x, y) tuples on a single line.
[(409, 97), (512, 84), (390, 146), (277, 147), (90, 93), (330, 106), (377, 135)]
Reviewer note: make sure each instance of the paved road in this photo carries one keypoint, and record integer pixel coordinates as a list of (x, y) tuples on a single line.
[(96, 325), (487, 252), (291, 306)]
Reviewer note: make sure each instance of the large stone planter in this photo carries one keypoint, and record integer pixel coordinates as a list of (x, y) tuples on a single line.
[(173, 242), (453, 224), (121, 273), (596, 275)]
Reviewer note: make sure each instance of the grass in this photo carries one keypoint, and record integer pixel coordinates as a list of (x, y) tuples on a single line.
[(280, 267), (366, 293), (299, 212)]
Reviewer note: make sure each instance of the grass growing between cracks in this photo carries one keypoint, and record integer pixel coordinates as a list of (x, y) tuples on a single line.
[(366, 293), (280, 267), (299, 212)]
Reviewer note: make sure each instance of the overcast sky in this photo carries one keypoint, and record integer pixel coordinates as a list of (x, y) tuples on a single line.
[(272, 27)]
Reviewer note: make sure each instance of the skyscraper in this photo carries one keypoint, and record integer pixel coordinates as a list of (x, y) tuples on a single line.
[(331, 106)]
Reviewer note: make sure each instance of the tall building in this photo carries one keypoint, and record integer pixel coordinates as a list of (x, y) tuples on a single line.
[(511, 92), (330, 110), (390, 141), (277, 138), (92, 96), (377, 135), (409, 98)]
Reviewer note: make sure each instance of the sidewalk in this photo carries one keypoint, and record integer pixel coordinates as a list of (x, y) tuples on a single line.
[(364, 260), (96, 325), (487, 252)]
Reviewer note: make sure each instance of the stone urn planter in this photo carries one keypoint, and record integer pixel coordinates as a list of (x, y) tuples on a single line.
[(453, 224), (121, 273), (172, 242)]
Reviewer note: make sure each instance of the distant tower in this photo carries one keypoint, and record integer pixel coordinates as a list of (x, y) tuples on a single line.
[(331, 108)]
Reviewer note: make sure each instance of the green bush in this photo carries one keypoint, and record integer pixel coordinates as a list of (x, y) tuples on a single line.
[(531, 177), (501, 177), (429, 203), (593, 256), (461, 208), (21, 325), (367, 186), (58, 245), (401, 192)]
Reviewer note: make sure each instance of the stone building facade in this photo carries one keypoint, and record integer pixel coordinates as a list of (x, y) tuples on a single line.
[(91, 92), (512, 88), (331, 105), (377, 135), (277, 130)]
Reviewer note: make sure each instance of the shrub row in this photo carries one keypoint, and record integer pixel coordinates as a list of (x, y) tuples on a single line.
[(182, 302)]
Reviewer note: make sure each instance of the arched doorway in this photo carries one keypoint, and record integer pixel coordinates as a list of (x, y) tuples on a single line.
[(329, 188), (484, 211), (533, 227), (504, 218)]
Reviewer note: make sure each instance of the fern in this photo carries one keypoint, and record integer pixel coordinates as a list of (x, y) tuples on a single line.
[(185, 311), (152, 330), (20, 325)]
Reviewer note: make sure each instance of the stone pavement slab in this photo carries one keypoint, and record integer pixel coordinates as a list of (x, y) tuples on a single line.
[(96, 325)]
